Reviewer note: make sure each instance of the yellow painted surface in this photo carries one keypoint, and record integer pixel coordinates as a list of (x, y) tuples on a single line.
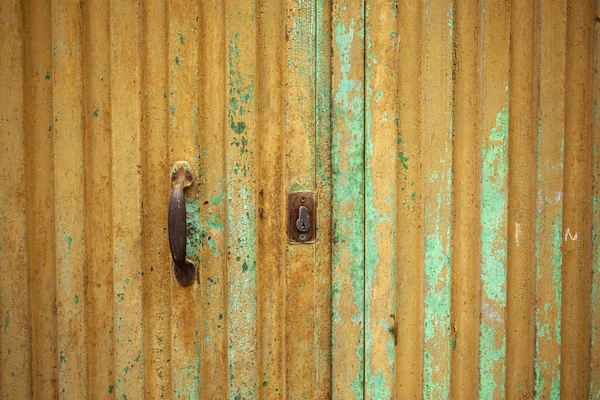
[(453, 149)]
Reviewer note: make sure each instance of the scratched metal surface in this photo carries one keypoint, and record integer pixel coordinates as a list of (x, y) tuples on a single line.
[(452, 146)]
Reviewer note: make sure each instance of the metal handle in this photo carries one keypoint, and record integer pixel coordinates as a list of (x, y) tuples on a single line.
[(184, 270)]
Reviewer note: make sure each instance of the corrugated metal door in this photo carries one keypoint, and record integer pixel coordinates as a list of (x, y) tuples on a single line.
[(452, 148)]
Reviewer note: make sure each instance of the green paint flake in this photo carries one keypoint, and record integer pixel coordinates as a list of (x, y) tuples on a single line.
[(181, 38), (494, 159), (6, 320), (489, 354), (177, 61), (96, 112), (214, 223), (403, 159), (68, 239), (111, 389), (47, 76), (217, 200), (76, 300)]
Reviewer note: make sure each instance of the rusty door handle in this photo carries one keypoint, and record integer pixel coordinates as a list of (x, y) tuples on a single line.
[(183, 269)]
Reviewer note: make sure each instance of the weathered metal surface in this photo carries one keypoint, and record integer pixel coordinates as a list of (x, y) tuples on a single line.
[(452, 147)]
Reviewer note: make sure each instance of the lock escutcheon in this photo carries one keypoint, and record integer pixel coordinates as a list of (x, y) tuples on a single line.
[(301, 225)]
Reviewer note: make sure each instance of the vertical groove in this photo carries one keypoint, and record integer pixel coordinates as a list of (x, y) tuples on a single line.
[(156, 189), (548, 231), (494, 114), (409, 242), (69, 192), (466, 199), (521, 216), (577, 243), (437, 196), (41, 251), (271, 199), (125, 114), (15, 346), (213, 211)]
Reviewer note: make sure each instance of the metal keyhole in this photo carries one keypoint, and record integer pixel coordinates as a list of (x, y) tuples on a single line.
[(303, 224)]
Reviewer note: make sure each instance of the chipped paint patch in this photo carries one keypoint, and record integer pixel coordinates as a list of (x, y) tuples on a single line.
[(494, 200)]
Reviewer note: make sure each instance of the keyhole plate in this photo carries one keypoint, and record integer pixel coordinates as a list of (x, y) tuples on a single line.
[(295, 201)]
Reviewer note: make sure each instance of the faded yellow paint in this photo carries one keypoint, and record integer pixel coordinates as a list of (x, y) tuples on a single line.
[(450, 144)]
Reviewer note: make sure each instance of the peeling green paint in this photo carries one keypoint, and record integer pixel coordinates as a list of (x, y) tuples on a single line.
[(181, 38), (241, 219), (491, 353), (380, 211), (494, 200), (548, 228), (194, 236), (348, 188), (96, 112), (437, 210)]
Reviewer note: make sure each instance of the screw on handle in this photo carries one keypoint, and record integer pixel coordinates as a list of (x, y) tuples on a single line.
[(184, 270)]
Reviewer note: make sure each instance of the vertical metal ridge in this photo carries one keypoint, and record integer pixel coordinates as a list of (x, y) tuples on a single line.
[(347, 157), (494, 71), (156, 187), (466, 202), (241, 192), (125, 34), (381, 154), (521, 201), (271, 198), (212, 182), (409, 245), (182, 63), (323, 248), (41, 252), (301, 325), (577, 210), (69, 197), (15, 344), (595, 305), (550, 86), (99, 200), (437, 195)]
